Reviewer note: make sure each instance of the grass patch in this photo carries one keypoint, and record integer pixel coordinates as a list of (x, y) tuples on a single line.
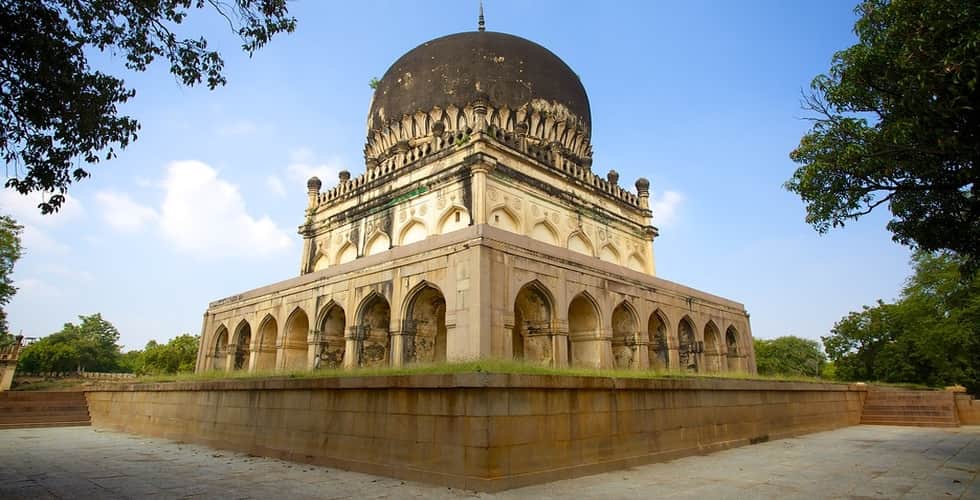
[(481, 366)]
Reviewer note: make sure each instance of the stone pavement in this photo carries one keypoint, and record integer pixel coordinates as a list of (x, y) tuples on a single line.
[(855, 462)]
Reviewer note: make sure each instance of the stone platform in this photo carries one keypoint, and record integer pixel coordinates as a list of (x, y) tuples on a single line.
[(486, 432)]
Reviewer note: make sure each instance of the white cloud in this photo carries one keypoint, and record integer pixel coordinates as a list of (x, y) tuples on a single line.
[(36, 288), (122, 213), (205, 215), (665, 207), (275, 185), (303, 165), (35, 240)]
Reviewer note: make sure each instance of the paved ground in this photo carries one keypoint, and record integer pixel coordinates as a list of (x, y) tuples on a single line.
[(856, 462)]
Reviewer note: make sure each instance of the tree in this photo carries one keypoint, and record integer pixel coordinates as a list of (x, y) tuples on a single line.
[(58, 114), (177, 355), (10, 252), (92, 345), (789, 355), (897, 122), (931, 335)]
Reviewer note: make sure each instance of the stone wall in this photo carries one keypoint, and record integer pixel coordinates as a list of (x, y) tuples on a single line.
[(479, 431), (967, 409)]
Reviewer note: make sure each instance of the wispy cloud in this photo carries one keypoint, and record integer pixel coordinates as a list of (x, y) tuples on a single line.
[(304, 164), (124, 214), (665, 208), (36, 237), (274, 183), (238, 128)]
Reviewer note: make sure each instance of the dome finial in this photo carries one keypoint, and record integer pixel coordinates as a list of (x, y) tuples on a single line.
[(481, 24)]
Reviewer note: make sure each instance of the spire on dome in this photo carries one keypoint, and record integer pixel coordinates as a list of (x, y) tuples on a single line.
[(481, 24)]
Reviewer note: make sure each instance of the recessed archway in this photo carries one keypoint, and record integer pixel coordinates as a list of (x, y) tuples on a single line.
[(503, 218), (609, 254), (333, 344), (265, 352), (624, 329), (455, 218), (542, 231), (378, 243), (427, 321), (374, 320), (687, 345), (712, 348), (243, 345), (530, 336), (578, 242), (583, 328), (346, 254), (413, 232), (658, 348), (295, 345), (731, 342), (219, 350)]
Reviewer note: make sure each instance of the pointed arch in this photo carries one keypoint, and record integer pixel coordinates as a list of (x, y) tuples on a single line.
[(412, 232), (320, 262), (505, 218), (659, 347), (533, 317), (712, 347), (294, 340), (242, 344), (584, 324), (455, 217), (625, 331), (379, 242), (732, 351), (687, 344), (609, 253), (347, 253), (219, 348), (373, 324), (546, 232), (425, 312), (331, 325), (636, 263), (265, 344), (581, 243)]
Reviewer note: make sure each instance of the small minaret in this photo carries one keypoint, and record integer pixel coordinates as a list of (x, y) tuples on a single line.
[(643, 192), (481, 24), (313, 191)]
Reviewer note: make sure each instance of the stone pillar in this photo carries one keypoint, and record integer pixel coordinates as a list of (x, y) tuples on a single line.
[(352, 350), (481, 166)]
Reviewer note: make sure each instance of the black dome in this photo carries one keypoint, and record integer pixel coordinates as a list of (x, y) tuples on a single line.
[(458, 69)]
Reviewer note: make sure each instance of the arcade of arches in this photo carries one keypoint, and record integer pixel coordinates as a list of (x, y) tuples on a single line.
[(590, 334)]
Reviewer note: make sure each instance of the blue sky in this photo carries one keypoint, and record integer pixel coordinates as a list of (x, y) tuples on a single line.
[(702, 98)]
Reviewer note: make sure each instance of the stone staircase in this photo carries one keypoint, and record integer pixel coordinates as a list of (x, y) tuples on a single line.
[(43, 409), (913, 408)]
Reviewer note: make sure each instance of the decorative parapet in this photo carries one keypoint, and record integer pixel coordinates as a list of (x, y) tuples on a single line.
[(562, 145)]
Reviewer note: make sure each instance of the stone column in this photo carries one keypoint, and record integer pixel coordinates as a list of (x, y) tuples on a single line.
[(481, 166)]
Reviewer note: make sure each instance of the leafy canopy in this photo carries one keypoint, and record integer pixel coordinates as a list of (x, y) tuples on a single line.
[(789, 355), (92, 345), (897, 122), (931, 335), (10, 252), (58, 115), (177, 355)]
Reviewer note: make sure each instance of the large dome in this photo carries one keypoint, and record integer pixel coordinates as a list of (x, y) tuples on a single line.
[(458, 69)]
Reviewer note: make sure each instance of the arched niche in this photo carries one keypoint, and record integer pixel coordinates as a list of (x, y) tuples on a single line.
[(377, 244), (295, 345), (219, 349), (347, 253), (543, 232), (687, 345), (583, 330), (456, 218), (579, 243), (413, 232), (321, 263), (503, 218), (635, 263), (624, 329), (609, 254), (712, 348), (427, 322), (658, 349), (531, 334), (333, 344), (373, 321), (732, 354), (265, 352), (242, 345)]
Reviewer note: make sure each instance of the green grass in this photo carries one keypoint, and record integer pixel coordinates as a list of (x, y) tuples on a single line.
[(482, 366)]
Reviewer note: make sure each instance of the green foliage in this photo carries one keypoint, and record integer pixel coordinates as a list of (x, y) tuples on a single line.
[(10, 252), (56, 113), (931, 335), (374, 83), (897, 122), (91, 346), (176, 356), (793, 356)]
